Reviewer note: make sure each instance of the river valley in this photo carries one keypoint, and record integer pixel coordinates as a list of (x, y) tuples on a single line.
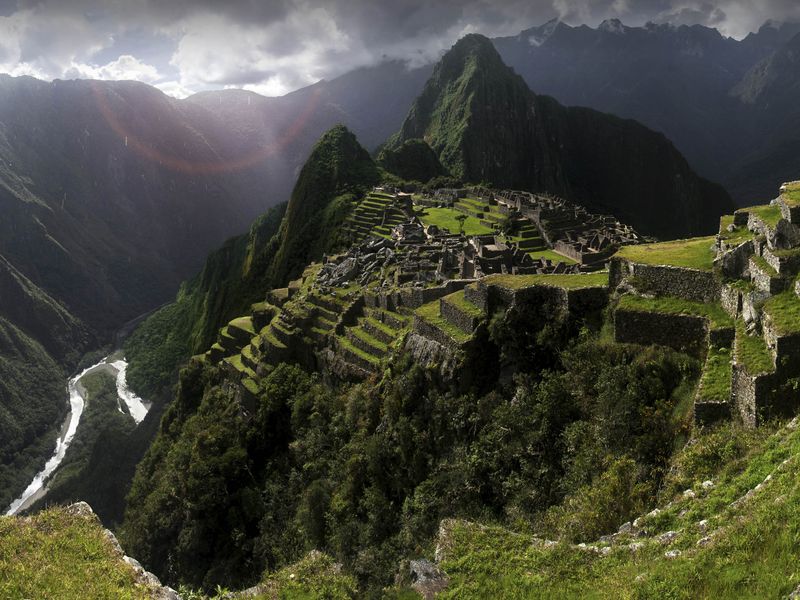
[(128, 403)]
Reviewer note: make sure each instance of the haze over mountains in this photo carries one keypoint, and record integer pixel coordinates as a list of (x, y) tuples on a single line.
[(715, 98)]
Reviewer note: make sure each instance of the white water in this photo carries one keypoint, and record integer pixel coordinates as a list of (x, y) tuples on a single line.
[(136, 408)]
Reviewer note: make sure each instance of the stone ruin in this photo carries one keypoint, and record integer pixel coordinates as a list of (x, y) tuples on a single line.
[(587, 238)]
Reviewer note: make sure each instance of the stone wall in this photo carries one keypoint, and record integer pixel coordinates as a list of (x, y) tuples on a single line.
[(464, 321), (786, 349), (681, 332), (618, 269), (751, 393), (721, 337), (784, 265), (425, 329), (413, 297), (689, 284), (731, 300), (587, 300), (735, 262), (711, 412)]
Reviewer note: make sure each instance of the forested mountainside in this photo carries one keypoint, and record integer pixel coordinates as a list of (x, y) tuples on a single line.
[(540, 428), (111, 195), (485, 125), (277, 248)]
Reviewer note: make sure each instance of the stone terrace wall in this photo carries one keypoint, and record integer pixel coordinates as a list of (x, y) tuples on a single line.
[(681, 332), (586, 300), (751, 393), (689, 284), (785, 347), (426, 330), (413, 297), (710, 412)]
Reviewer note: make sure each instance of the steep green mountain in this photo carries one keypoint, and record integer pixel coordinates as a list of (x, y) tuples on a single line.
[(487, 126), (413, 160), (337, 170), (279, 244)]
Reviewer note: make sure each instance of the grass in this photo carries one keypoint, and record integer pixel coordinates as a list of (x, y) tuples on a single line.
[(712, 311), (551, 256), (243, 323), (752, 352), (430, 313), (791, 194), (315, 576), (345, 343), (62, 556), (770, 214), (763, 265), (737, 236), (754, 552), (743, 285), (250, 385), (694, 253), (715, 382), (784, 311), (457, 299), (567, 282), (446, 218)]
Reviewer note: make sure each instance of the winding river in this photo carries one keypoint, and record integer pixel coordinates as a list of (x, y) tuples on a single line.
[(114, 364)]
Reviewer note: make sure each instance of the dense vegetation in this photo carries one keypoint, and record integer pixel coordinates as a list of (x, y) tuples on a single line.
[(32, 404), (724, 540), (365, 473), (277, 248), (413, 160)]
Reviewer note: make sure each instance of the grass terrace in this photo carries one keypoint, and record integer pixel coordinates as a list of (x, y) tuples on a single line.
[(245, 324), (446, 218), (770, 214), (552, 256), (694, 253), (430, 313), (715, 382), (457, 299), (752, 352), (567, 282), (784, 310), (714, 312), (737, 236), (791, 193)]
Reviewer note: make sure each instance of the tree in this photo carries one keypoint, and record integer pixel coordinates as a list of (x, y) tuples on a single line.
[(461, 218)]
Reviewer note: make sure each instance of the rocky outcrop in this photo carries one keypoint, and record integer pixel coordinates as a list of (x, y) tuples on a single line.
[(143, 577)]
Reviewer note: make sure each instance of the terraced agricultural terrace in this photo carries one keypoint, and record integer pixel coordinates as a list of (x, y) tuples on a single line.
[(733, 299), (411, 282), (429, 269)]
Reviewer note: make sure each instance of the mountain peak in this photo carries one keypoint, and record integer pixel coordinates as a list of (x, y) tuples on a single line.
[(614, 26)]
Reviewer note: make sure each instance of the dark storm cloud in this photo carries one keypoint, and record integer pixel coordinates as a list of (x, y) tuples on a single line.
[(278, 45)]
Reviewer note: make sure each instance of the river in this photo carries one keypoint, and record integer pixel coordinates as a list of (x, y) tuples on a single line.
[(115, 365)]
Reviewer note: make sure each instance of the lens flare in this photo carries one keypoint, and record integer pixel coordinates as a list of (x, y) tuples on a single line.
[(149, 151)]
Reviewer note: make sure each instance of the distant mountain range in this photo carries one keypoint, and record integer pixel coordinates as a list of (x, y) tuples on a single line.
[(716, 98), (726, 104), (484, 124)]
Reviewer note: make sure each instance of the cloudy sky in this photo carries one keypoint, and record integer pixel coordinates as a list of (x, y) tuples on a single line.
[(275, 46)]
